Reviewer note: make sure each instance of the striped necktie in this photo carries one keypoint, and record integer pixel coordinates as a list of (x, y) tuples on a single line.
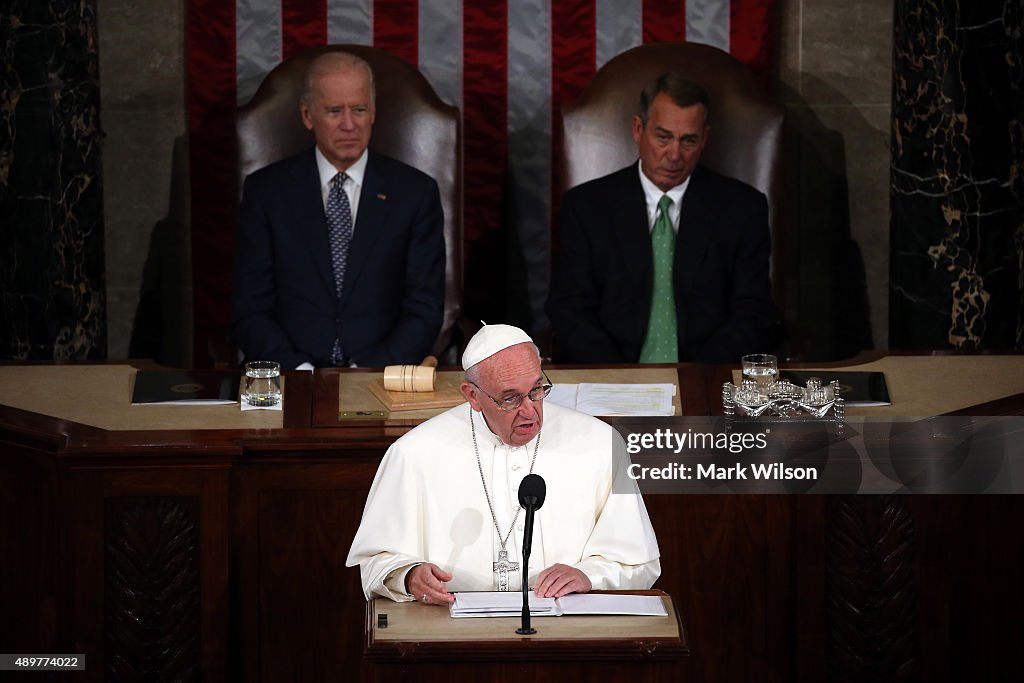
[(339, 233), (661, 344), (339, 228)]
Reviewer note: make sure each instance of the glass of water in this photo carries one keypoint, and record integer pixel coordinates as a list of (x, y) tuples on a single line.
[(763, 368), (262, 385)]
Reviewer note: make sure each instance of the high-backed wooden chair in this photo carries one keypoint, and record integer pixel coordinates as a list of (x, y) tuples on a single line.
[(746, 125), (412, 124)]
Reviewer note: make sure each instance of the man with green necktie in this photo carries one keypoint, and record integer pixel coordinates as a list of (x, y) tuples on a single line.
[(665, 260)]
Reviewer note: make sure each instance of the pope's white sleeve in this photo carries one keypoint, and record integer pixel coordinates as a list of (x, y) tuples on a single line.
[(622, 551), (387, 538), (607, 575)]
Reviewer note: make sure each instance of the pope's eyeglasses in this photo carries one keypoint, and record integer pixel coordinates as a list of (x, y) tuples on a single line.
[(537, 394)]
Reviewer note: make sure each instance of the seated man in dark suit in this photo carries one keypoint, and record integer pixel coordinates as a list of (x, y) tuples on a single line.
[(339, 256), (664, 260)]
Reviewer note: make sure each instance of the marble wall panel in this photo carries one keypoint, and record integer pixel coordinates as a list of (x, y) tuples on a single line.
[(957, 187), (847, 49), (834, 74), (142, 54), (51, 251)]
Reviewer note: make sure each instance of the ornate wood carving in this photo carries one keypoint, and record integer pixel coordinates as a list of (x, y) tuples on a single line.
[(871, 590), (151, 589)]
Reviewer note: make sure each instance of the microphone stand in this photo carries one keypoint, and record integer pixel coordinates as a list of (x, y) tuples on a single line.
[(525, 629)]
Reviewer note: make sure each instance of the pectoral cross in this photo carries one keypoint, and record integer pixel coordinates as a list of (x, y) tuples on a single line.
[(502, 568)]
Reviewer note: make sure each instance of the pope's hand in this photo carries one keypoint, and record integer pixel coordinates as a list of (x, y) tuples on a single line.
[(425, 583), (558, 580)]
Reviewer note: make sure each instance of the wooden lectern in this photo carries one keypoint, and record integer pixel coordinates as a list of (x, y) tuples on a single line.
[(425, 640)]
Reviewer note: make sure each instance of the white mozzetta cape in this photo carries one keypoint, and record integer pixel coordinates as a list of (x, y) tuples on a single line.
[(427, 505)]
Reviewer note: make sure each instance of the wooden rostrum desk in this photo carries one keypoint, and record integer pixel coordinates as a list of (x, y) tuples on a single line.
[(442, 648), (207, 543)]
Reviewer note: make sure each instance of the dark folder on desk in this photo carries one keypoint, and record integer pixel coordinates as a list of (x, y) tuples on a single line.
[(185, 387), (857, 388)]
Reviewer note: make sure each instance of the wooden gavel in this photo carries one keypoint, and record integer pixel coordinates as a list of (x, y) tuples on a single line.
[(411, 377)]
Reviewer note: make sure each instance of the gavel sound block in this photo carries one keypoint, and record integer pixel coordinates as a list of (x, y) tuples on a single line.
[(413, 387)]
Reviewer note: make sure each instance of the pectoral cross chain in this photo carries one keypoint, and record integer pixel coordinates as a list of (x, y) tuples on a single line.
[(502, 567)]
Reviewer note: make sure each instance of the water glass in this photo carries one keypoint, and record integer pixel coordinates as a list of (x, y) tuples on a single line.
[(262, 385), (763, 368)]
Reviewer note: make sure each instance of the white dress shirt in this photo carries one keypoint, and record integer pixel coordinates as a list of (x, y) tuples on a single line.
[(653, 194)]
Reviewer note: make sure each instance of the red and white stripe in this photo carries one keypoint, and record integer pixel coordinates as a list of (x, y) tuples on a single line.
[(509, 65)]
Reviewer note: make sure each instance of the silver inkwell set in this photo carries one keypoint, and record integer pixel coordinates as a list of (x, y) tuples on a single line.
[(761, 394)]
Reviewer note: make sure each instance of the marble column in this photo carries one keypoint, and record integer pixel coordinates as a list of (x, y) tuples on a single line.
[(957, 180), (51, 249)]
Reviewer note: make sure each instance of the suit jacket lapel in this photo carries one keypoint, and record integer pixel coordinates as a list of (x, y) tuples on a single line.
[(695, 225), (370, 222), (631, 228), (307, 204)]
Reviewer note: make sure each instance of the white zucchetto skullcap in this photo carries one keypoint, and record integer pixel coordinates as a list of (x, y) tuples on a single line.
[(489, 340)]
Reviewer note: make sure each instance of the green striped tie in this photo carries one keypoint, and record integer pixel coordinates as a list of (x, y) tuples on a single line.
[(661, 344)]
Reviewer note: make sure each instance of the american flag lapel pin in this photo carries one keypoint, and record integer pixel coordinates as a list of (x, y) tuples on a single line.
[(382, 197)]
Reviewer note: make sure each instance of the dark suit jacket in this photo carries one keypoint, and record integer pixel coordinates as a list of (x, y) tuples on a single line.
[(284, 305), (601, 286)]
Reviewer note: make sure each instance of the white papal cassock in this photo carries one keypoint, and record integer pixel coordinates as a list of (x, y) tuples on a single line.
[(427, 504)]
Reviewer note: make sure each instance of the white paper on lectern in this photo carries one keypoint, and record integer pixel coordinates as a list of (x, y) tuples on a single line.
[(500, 604), (507, 604), (634, 400), (605, 603)]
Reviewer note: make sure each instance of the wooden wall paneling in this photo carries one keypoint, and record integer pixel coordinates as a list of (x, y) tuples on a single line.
[(300, 609), (970, 592), (782, 590), (808, 579), (28, 548), (909, 587), (133, 530), (151, 588), (871, 589), (724, 558)]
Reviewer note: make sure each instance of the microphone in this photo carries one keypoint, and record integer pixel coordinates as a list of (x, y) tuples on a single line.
[(532, 492)]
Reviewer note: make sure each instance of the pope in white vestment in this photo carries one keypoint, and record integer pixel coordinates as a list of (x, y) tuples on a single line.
[(427, 504)]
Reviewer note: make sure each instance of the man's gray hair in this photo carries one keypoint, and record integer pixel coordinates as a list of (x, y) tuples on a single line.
[(333, 62), (682, 90)]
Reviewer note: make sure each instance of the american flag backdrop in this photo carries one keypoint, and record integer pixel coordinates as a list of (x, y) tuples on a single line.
[(508, 65)]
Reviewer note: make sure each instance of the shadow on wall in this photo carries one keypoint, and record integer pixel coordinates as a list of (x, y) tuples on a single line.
[(825, 279), (162, 328), (527, 223)]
